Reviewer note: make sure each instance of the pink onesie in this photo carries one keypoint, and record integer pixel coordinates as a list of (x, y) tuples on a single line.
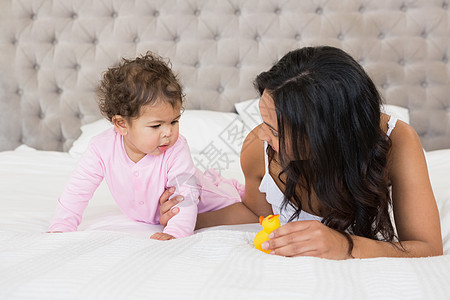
[(136, 187)]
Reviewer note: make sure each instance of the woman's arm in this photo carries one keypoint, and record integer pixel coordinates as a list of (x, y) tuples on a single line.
[(415, 210)]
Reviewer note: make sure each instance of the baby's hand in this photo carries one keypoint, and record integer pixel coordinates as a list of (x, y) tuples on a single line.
[(162, 236)]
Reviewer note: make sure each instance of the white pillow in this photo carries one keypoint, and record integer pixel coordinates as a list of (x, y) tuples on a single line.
[(249, 112), (88, 131), (202, 127), (215, 140)]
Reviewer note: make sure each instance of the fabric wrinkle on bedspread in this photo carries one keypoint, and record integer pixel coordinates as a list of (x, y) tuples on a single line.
[(223, 264)]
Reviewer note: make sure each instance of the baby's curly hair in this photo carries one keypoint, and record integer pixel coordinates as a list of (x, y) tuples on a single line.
[(124, 89)]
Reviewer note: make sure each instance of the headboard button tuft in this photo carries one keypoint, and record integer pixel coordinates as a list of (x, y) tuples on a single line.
[(70, 43)]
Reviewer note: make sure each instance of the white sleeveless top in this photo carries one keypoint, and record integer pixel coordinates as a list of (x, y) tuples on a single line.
[(275, 197)]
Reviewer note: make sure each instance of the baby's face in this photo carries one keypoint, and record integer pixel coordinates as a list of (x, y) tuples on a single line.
[(154, 131)]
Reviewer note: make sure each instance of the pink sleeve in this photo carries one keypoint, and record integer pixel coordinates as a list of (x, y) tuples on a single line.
[(78, 191), (181, 175)]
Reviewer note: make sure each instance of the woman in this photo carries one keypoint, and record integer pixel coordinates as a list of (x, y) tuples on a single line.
[(327, 160)]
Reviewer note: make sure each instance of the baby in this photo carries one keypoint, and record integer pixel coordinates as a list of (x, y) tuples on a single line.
[(143, 154)]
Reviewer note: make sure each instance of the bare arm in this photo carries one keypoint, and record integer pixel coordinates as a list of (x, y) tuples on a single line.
[(415, 210)]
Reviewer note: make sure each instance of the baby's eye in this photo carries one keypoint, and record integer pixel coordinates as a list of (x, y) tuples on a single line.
[(175, 122), (155, 126)]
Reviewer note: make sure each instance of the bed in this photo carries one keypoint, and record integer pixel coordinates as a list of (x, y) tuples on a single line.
[(52, 54)]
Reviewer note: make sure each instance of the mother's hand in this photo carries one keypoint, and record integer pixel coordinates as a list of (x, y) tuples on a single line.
[(307, 238), (166, 208)]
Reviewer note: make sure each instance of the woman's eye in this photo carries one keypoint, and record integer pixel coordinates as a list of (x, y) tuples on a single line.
[(275, 134)]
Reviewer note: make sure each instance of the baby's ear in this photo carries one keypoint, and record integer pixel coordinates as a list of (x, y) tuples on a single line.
[(120, 124)]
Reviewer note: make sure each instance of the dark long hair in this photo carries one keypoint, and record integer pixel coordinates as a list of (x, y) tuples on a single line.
[(331, 143)]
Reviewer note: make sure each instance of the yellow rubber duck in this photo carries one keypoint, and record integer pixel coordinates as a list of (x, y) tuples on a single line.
[(269, 224)]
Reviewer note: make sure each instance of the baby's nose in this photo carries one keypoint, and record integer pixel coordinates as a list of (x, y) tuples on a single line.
[(167, 132)]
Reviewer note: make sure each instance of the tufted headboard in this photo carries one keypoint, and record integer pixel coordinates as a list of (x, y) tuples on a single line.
[(52, 55)]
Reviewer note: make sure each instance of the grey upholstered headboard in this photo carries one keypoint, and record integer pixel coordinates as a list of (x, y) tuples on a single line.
[(52, 54)]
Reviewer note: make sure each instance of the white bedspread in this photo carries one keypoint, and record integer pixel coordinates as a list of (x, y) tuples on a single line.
[(111, 257)]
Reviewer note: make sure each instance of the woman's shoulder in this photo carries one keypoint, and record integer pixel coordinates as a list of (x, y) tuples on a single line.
[(252, 154), (406, 147), (404, 135)]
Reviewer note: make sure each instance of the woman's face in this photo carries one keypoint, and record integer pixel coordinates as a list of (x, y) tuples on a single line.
[(269, 130)]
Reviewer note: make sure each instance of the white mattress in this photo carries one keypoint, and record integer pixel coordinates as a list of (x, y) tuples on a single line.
[(112, 257)]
